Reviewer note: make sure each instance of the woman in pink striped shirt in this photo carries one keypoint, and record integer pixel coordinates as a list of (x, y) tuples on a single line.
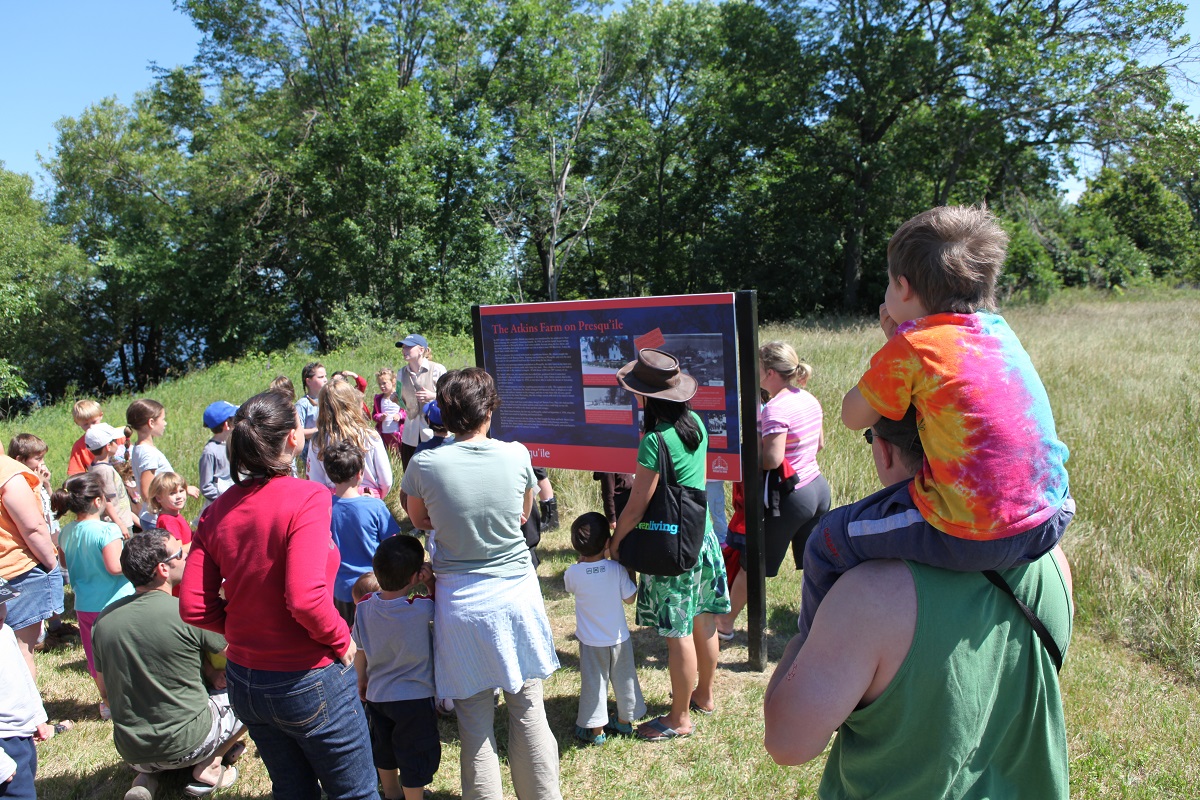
[(792, 432)]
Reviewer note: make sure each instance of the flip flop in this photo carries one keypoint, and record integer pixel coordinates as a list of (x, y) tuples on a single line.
[(233, 754), (199, 789), (661, 732), (694, 706)]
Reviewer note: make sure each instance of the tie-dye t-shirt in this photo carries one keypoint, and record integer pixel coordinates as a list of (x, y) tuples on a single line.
[(993, 462)]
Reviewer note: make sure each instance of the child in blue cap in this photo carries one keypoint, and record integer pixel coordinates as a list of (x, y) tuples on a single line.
[(214, 458)]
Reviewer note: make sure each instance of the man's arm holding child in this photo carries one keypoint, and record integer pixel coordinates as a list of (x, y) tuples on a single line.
[(858, 640)]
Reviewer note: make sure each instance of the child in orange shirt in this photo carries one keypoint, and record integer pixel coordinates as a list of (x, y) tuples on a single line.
[(86, 413)]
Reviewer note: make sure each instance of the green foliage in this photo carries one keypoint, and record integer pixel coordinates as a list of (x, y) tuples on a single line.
[(1149, 215), (322, 169), (43, 279), (1029, 269)]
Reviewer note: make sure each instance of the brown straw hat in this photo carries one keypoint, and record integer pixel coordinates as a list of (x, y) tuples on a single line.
[(657, 374)]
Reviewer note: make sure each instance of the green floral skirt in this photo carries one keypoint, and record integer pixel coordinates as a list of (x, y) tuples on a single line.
[(669, 604)]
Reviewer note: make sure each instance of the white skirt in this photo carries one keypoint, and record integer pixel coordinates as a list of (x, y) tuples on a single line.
[(490, 632)]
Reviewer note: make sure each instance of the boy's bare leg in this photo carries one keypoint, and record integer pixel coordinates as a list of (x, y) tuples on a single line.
[(389, 780)]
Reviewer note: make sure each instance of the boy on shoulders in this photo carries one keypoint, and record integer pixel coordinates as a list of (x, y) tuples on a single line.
[(993, 492)]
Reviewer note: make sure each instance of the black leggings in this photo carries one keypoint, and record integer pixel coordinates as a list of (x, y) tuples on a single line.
[(798, 515)]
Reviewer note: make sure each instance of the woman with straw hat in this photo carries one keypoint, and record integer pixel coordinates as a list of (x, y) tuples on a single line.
[(683, 607)]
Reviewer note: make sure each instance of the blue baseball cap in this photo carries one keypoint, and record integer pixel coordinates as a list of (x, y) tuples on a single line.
[(216, 413), (433, 414), (412, 339)]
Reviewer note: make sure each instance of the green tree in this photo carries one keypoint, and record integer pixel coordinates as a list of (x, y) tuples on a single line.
[(1040, 77), (119, 188), (555, 101), (1143, 210), (42, 280)]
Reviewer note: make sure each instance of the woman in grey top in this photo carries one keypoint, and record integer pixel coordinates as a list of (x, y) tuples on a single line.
[(490, 625)]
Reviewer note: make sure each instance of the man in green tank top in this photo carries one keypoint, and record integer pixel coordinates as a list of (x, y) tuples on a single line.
[(936, 684)]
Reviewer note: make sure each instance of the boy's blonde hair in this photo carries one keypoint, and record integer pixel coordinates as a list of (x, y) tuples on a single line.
[(85, 411), (781, 357), (164, 482), (951, 257)]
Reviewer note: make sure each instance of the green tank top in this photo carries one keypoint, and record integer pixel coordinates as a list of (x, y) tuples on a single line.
[(975, 709)]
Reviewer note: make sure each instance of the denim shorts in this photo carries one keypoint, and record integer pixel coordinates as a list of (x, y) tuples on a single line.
[(41, 597)]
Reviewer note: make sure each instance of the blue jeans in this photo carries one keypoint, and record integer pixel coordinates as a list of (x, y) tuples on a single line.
[(716, 508), (310, 728), (887, 524)]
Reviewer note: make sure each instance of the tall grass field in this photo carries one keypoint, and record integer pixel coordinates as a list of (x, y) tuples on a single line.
[(1123, 379)]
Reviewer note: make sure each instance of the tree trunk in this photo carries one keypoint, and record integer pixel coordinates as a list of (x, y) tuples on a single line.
[(546, 259), (854, 232)]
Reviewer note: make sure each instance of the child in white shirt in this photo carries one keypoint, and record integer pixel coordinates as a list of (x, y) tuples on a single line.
[(605, 651), (22, 717)]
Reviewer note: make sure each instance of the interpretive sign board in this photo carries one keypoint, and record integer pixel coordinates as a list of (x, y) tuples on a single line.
[(555, 366)]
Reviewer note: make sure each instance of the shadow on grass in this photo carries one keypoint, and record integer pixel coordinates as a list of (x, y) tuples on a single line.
[(780, 628), (78, 665), (562, 711), (552, 587), (566, 554), (567, 659), (117, 777), (447, 728), (73, 709)]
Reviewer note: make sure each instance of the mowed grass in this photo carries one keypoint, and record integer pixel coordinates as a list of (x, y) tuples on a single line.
[(1122, 379)]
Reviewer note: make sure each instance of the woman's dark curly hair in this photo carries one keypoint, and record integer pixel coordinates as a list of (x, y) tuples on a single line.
[(466, 397)]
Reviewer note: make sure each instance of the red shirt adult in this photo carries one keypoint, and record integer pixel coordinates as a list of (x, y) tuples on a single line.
[(270, 543)]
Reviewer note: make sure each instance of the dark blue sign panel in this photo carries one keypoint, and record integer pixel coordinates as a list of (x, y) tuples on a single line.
[(555, 366)]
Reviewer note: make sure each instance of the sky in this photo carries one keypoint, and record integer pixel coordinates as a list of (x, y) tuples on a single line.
[(59, 57)]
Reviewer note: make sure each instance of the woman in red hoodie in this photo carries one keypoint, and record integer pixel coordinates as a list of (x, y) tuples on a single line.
[(291, 660)]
